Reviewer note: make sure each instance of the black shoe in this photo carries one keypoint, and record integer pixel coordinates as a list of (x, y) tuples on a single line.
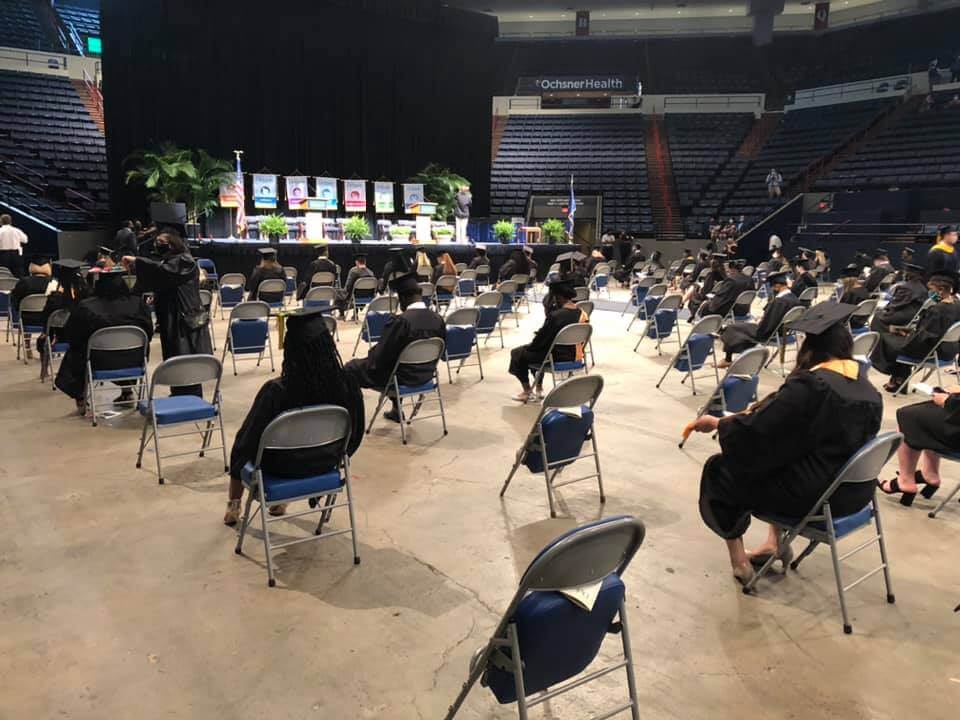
[(928, 490), (124, 397), (392, 416), (906, 498)]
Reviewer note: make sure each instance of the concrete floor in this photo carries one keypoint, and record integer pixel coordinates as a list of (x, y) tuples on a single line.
[(121, 598)]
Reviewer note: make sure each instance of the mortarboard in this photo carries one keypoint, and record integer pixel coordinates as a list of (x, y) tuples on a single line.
[(777, 278), (267, 252), (913, 267), (946, 276), (806, 251), (944, 229), (360, 255), (851, 270), (303, 323), (880, 252), (823, 316)]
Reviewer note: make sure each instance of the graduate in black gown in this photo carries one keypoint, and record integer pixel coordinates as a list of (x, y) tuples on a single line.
[(853, 292), (918, 341), (881, 268), (415, 322), (112, 304), (906, 299), (359, 270), (780, 456), (268, 269), (697, 293), (312, 374), (726, 292), (943, 255), (516, 265), (70, 290), (323, 263), (740, 337), (802, 279), (479, 259)]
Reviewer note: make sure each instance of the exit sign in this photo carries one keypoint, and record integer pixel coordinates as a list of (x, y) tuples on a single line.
[(94, 45)]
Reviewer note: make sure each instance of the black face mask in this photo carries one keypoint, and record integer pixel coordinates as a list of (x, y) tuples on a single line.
[(162, 248)]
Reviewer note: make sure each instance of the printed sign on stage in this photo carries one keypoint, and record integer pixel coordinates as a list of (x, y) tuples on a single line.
[(296, 192), (821, 16), (383, 197), (327, 191), (355, 195), (412, 193), (265, 191), (231, 193)]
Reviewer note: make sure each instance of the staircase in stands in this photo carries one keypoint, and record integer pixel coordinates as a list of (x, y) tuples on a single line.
[(92, 100), (664, 205), (499, 127), (761, 131)]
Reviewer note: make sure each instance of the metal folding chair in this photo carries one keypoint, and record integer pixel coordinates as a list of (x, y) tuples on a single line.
[(520, 294), (30, 305), (291, 277), (744, 299), (181, 410), (583, 293), (483, 276), (859, 320), (445, 291), (7, 284), (784, 337), (933, 360), (695, 351), (324, 278), (489, 320), (647, 298), (231, 291), (318, 426), (809, 296), (544, 640), (600, 279), (101, 368), (424, 273), (378, 311), (248, 333), (863, 346), (460, 267), (462, 339), (364, 291), (55, 323), (955, 457), (820, 526), (323, 297), (576, 336), (427, 293), (637, 293), (661, 323), (272, 293), (419, 352), (205, 264), (331, 322), (508, 291), (467, 283), (206, 300)]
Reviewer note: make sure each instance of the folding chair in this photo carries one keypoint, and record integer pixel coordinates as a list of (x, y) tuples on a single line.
[(205, 264), (322, 297), (488, 304), (231, 291), (291, 276), (576, 336), (331, 322), (324, 278), (863, 347), (955, 457), (520, 294), (378, 311), (424, 273), (932, 362), (809, 296), (583, 293), (460, 267), (56, 322), (600, 280), (445, 291), (508, 290), (637, 293), (820, 526), (467, 284), (649, 299), (427, 292), (248, 333), (425, 352), (180, 410), (7, 284), (31, 305), (558, 435), (744, 299), (859, 320), (483, 276), (318, 426), (206, 300), (272, 293), (462, 339), (364, 291), (102, 368), (695, 351), (663, 321), (738, 388), (784, 337)]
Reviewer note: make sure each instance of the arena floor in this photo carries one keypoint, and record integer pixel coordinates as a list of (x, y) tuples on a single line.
[(121, 598)]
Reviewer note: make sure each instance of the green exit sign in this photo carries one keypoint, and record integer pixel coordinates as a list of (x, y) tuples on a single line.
[(94, 45)]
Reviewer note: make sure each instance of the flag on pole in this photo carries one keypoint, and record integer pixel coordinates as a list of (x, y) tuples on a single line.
[(571, 209), (241, 200)]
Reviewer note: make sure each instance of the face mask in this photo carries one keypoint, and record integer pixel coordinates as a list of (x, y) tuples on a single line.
[(163, 248), (935, 296)]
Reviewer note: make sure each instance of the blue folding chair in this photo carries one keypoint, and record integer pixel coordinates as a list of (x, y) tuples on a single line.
[(248, 333), (600, 280), (272, 292), (784, 337), (461, 340), (378, 311), (231, 291), (489, 320), (210, 268), (661, 323), (508, 292), (934, 360), (544, 639), (445, 291), (322, 297), (863, 347), (483, 276), (116, 355), (317, 426), (744, 300), (820, 526), (695, 351), (520, 293), (290, 292), (647, 298), (178, 411), (56, 346), (467, 284), (574, 337), (28, 324), (7, 284)]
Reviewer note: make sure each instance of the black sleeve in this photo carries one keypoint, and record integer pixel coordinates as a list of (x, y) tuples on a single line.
[(247, 440), (929, 330), (772, 315), (544, 336), (77, 329), (357, 416), (383, 356), (253, 282)]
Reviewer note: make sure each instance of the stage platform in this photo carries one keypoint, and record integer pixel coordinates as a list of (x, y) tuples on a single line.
[(242, 256)]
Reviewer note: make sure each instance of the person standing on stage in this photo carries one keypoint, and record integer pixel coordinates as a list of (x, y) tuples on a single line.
[(268, 269), (461, 212), (12, 240)]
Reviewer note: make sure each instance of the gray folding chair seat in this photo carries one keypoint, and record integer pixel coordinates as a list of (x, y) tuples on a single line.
[(576, 336)]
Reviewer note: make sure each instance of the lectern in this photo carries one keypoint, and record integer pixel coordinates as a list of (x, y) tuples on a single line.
[(423, 212)]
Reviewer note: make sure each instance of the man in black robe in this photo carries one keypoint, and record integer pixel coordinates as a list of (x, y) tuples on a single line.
[(726, 292), (802, 279), (633, 262), (415, 322), (323, 263), (881, 268), (943, 255), (112, 305), (479, 259), (740, 337), (906, 258), (359, 270), (268, 269), (906, 299)]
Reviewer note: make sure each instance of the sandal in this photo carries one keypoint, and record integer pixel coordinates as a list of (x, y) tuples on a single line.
[(232, 516), (929, 490), (522, 396), (906, 498)]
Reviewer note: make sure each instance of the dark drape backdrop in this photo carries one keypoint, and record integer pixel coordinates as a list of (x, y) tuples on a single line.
[(371, 88)]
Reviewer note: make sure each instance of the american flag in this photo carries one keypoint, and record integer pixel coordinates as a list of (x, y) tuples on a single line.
[(241, 200), (571, 209)]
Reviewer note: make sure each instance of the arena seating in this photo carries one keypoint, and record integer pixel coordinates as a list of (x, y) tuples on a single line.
[(86, 21), (49, 146), (605, 154), (701, 147), (20, 26)]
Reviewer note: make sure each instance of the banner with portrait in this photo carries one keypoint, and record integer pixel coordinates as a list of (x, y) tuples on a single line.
[(355, 195), (383, 197), (327, 191), (296, 192), (821, 16), (231, 193), (265, 191), (412, 193)]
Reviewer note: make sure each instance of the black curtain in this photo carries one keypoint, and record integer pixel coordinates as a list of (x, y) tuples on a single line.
[(371, 88)]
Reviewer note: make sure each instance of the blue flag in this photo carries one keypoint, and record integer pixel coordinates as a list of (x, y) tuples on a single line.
[(571, 209)]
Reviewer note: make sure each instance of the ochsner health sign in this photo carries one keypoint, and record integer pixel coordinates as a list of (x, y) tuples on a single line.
[(575, 83)]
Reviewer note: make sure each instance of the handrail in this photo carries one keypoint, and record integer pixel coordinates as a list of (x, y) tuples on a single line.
[(69, 191), (34, 57), (23, 167)]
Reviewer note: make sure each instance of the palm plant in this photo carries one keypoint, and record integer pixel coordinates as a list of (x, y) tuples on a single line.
[(440, 185), (163, 171), (204, 189)]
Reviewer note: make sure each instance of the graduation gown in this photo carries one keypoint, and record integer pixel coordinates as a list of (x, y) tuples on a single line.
[(344, 296), (801, 283), (855, 296), (932, 325), (181, 319), (260, 274), (374, 370), (876, 277), (905, 302), (274, 398), (477, 261), (726, 292), (928, 427), (87, 317), (783, 455), (319, 265), (740, 337), (30, 285), (700, 296), (942, 257)]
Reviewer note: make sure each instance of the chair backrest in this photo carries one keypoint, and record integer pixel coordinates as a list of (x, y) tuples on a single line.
[(421, 352), (703, 274), (483, 271), (322, 295), (447, 283), (791, 316), (273, 285), (868, 461), (307, 427), (748, 270), (688, 269), (424, 271), (365, 285), (745, 298), (809, 294), (657, 290), (864, 309), (426, 289), (865, 343), (7, 283), (468, 274), (647, 282), (186, 370), (290, 271), (463, 316), (555, 268), (574, 334), (601, 269), (586, 306), (492, 298), (748, 363), (324, 277), (707, 325), (460, 267), (582, 294), (117, 338), (250, 310), (233, 279), (206, 298), (5, 271), (384, 303), (670, 302), (577, 391), (33, 303), (521, 280), (952, 334), (57, 319), (207, 264), (507, 287)]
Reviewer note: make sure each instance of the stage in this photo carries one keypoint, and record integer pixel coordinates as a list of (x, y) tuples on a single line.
[(241, 255)]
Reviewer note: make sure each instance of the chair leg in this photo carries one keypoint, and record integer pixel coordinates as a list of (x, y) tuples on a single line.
[(943, 503), (270, 351), (380, 402), (244, 524), (883, 553), (835, 557), (549, 480), (479, 360), (476, 671), (811, 546), (517, 671), (353, 521), (403, 419), (443, 415), (596, 462), (156, 448), (628, 656), (513, 471), (143, 442), (271, 582)]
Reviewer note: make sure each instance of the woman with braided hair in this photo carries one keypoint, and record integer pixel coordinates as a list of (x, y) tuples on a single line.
[(312, 374)]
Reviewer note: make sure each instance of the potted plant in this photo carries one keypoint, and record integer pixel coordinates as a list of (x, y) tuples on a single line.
[(504, 231), (356, 229), (553, 231), (400, 233), (273, 227), (443, 234), (440, 185)]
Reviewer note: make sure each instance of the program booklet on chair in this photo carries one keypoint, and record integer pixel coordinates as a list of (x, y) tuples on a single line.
[(583, 595)]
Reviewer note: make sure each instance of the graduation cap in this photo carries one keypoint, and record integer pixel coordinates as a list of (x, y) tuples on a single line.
[(806, 251), (360, 255), (944, 229), (403, 277), (719, 256), (823, 316), (777, 278), (879, 253), (481, 250), (851, 270), (267, 253), (67, 267), (575, 256), (303, 323), (528, 250), (907, 250), (949, 277)]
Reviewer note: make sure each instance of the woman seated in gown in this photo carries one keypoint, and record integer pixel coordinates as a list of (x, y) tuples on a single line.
[(781, 455), (312, 374), (930, 429)]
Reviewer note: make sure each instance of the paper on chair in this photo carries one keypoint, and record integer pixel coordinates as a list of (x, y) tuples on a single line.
[(583, 595), (923, 388), (574, 411)]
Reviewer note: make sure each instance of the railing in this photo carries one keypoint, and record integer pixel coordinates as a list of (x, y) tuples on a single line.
[(94, 91), (739, 102), (892, 86), (74, 37), (31, 58)]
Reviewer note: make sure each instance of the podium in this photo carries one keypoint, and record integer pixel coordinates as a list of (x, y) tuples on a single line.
[(423, 212)]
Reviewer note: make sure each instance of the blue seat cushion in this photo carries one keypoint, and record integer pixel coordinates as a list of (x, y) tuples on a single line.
[(699, 347), (60, 347), (178, 409), (566, 365), (459, 342), (118, 374), (248, 336), (564, 437), (738, 393), (557, 638), (916, 361), (841, 526), (279, 489), (417, 389), (662, 325)]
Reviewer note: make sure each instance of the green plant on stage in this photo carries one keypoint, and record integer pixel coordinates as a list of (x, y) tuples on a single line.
[(401, 231), (504, 231), (440, 185), (443, 232), (553, 231), (203, 192), (273, 225), (356, 229)]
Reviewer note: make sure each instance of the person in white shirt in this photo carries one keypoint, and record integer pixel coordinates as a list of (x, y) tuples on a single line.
[(12, 241)]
